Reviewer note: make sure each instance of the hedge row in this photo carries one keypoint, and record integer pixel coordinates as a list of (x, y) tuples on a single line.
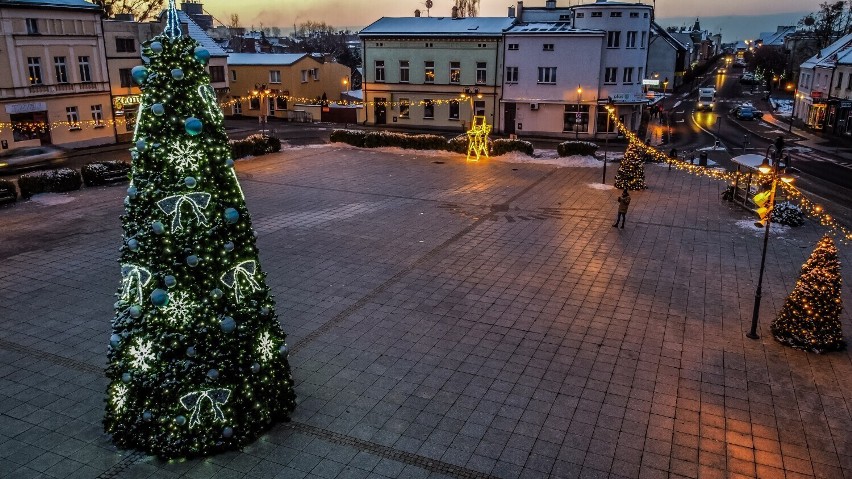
[(571, 148), (8, 192), (459, 144), (49, 181), (105, 172), (254, 145)]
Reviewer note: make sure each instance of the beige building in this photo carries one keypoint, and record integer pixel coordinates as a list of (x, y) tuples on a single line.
[(123, 38), (290, 79), (54, 87)]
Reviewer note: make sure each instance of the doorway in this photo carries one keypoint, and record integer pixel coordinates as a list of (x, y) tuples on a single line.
[(381, 111), (509, 114)]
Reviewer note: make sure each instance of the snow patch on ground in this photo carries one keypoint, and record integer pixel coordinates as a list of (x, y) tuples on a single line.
[(575, 161), (600, 186), (750, 227), (782, 107), (712, 148), (284, 144), (51, 199)]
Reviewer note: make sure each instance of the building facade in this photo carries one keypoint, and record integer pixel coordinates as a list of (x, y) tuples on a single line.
[(272, 84), (821, 98), (54, 86)]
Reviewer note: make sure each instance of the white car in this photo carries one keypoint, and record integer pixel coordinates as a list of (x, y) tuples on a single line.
[(31, 157)]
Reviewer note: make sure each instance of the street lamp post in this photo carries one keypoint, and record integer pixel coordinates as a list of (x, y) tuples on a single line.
[(577, 117), (261, 91), (793, 113), (766, 168), (606, 139)]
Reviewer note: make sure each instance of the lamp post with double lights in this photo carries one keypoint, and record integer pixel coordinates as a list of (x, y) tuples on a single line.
[(261, 91), (468, 94), (773, 169), (578, 117)]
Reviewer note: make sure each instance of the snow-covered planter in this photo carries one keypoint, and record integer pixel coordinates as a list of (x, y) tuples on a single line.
[(104, 172), (788, 214), (254, 145), (572, 148), (502, 146), (49, 181)]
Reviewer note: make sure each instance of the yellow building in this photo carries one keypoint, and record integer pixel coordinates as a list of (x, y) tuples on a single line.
[(54, 87), (289, 78)]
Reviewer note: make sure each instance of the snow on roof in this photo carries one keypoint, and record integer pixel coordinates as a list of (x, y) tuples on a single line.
[(776, 38), (53, 3), (549, 27), (829, 56), (199, 35), (275, 59), (437, 26)]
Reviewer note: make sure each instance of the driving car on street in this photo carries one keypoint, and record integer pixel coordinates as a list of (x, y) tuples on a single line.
[(747, 112), (31, 157)]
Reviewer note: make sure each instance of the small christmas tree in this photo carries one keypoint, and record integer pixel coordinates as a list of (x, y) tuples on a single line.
[(810, 318), (197, 358), (631, 173)]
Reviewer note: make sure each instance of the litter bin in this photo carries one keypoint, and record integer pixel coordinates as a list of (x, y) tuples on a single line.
[(702, 159)]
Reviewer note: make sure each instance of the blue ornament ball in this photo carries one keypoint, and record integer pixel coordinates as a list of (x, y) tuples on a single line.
[(114, 340), (232, 215), (255, 368), (229, 163), (216, 293), (190, 351), (131, 192), (139, 74), (193, 125), (133, 244), (284, 350), (126, 377), (158, 109), (192, 260), (147, 416), (190, 182), (170, 281), (177, 74), (227, 432), (228, 324), (229, 246), (201, 54), (264, 311), (141, 145), (180, 420), (158, 228), (156, 47), (213, 374), (135, 311), (159, 297)]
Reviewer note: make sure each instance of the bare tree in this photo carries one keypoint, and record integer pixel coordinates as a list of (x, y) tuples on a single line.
[(140, 9), (829, 23), (467, 8), (234, 21), (276, 32)]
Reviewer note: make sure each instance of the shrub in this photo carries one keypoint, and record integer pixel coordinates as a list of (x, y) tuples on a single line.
[(8, 192), (375, 139), (458, 144), (787, 213), (502, 146), (571, 148), (104, 172), (49, 181), (255, 145), (351, 137)]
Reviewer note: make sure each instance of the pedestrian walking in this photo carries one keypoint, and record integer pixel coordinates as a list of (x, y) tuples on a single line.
[(623, 203)]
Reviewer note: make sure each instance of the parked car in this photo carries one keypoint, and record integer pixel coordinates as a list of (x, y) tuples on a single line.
[(747, 112), (749, 78), (31, 157)]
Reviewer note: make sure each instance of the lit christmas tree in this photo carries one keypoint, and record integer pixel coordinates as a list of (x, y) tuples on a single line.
[(197, 358), (810, 318), (631, 172)]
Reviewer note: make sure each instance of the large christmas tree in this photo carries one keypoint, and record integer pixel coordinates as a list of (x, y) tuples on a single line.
[(197, 358), (810, 318), (631, 172)]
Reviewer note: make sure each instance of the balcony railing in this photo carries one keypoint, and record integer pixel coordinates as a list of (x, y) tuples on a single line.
[(55, 89)]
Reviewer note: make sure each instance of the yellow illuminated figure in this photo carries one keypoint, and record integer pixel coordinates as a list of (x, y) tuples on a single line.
[(477, 138)]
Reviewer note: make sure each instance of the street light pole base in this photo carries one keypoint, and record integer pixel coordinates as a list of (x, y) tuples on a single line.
[(751, 335)]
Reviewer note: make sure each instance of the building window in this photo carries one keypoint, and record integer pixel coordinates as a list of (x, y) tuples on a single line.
[(631, 39), (73, 117), (270, 106), (547, 47), (32, 26), (597, 14), (639, 77), (281, 102), (849, 82), (315, 74), (511, 74), (634, 14), (254, 103), (429, 72), (454, 110), (304, 76), (34, 67), (642, 44), (455, 72), (613, 39), (513, 46), (481, 73), (547, 75), (61, 70), (274, 76), (479, 107), (430, 45), (428, 108), (839, 80), (125, 77), (581, 15), (125, 45), (564, 18), (233, 75), (380, 71), (611, 75), (404, 107), (627, 76), (217, 74), (614, 14), (404, 71), (97, 115), (85, 72), (237, 107), (576, 119)]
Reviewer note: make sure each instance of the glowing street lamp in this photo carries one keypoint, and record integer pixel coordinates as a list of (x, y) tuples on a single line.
[(609, 110), (578, 116)]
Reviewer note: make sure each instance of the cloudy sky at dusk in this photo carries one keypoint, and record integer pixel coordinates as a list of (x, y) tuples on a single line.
[(346, 13)]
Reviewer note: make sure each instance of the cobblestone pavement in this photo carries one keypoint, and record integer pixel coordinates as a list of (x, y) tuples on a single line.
[(452, 319)]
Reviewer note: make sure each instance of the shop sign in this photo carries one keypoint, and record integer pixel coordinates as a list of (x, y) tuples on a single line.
[(846, 104), (651, 82), (119, 102), (15, 108), (816, 94)]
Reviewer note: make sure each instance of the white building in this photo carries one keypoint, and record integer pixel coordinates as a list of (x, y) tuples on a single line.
[(817, 80)]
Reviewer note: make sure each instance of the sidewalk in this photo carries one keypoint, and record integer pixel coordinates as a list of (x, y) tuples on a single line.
[(451, 319), (813, 141)]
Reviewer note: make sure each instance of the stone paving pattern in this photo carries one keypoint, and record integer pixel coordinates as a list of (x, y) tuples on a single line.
[(465, 320)]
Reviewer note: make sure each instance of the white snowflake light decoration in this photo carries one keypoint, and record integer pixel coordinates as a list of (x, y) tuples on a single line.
[(141, 353), (185, 155), (119, 396), (179, 309), (266, 346)]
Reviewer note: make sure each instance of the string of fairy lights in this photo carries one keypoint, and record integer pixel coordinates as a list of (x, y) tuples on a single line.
[(794, 195)]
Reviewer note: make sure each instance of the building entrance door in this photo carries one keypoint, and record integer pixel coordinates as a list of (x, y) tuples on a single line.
[(381, 111), (509, 115)]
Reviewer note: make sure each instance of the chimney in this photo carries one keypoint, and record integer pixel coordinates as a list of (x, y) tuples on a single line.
[(550, 4), (511, 11), (455, 12), (520, 11), (417, 13)]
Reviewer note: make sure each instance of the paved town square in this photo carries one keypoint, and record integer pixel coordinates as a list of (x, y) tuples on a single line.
[(452, 319)]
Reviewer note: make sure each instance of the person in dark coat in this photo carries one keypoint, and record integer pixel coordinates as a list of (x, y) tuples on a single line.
[(623, 203)]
